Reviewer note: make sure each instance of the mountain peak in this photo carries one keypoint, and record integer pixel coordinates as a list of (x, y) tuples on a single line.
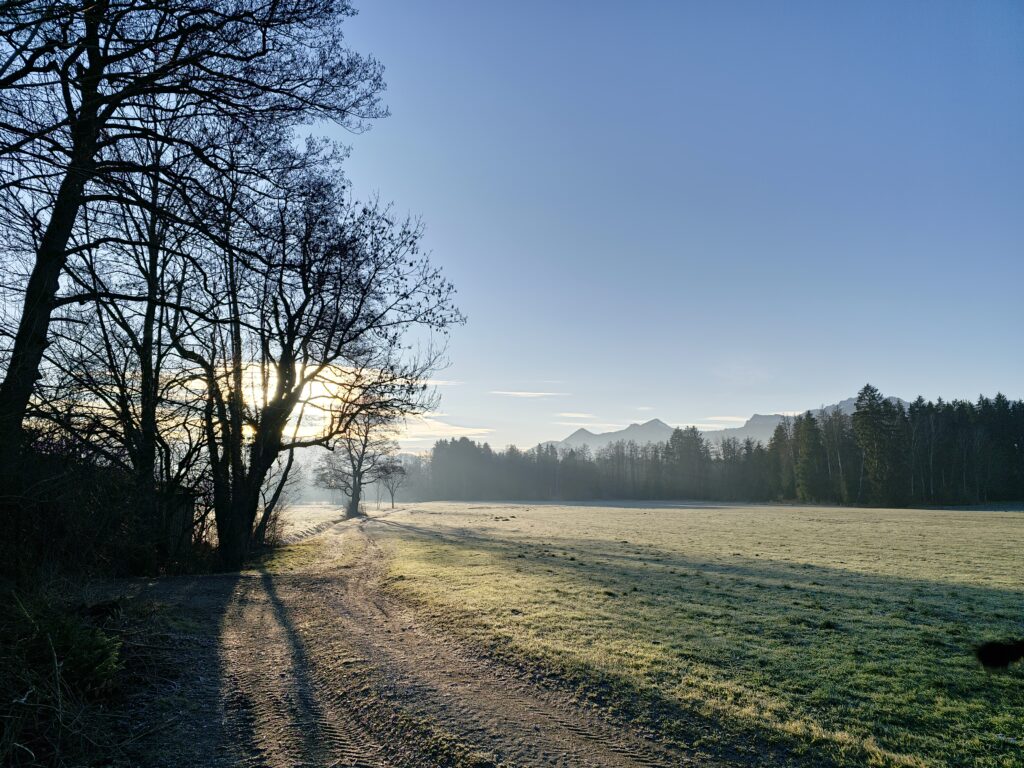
[(758, 427), (650, 423), (653, 431)]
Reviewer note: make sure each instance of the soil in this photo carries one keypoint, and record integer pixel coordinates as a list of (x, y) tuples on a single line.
[(321, 666)]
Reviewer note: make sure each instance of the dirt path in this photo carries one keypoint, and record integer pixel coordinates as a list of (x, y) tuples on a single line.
[(320, 667)]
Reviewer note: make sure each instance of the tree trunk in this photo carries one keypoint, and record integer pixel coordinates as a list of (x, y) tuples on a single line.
[(30, 340), (260, 536), (233, 534), (353, 501), (239, 514), (150, 511)]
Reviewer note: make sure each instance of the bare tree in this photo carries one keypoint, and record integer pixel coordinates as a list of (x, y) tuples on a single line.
[(196, 298), (79, 79), (391, 474), (310, 298), (361, 454), (277, 488), (111, 379)]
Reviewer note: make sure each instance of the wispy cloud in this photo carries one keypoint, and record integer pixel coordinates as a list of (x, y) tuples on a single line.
[(733, 419), (571, 415), (516, 393), (645, 408), (428, 428), (442, 383)]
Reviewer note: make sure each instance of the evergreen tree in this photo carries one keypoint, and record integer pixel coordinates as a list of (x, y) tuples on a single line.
[(691, 459), (934, 453), (881, 430), (782, 462), (811, 473)]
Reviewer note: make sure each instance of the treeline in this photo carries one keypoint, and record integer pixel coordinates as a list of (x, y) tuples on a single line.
[(883, 454)]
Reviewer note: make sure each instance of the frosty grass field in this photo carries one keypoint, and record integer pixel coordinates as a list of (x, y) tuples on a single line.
[(838, 634)]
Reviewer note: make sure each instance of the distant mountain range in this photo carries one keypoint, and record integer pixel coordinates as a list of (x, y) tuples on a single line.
[(653, 431), (759, 427)]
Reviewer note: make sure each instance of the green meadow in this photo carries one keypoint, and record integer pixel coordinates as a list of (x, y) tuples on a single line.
[(823, 635)]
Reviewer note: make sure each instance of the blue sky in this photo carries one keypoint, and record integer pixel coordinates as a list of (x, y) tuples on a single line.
[(697, 210)]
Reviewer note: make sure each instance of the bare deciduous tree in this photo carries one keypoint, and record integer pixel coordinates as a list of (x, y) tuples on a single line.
[(196, 298), (361, 454), (311, 298), (392, 475), (80, 79)]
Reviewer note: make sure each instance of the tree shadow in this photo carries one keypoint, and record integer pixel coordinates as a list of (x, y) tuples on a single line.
[(598, 560), (223, 706), (173, 713), (839, 636)]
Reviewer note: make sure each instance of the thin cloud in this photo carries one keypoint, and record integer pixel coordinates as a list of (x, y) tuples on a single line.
[(510, 393), (571, 415), (735, 419), (644, 408), (430, 428)]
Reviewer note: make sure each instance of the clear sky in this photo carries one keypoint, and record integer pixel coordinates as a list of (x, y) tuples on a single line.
[(702, 210)]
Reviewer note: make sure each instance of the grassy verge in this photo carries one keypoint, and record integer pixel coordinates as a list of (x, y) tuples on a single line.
[(321, 553), (839, 635), (64, 662)]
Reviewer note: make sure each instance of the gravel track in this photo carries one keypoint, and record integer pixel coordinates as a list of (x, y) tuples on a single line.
[(321, 667)]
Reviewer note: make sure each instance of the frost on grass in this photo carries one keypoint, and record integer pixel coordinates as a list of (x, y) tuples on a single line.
[(839, 632)]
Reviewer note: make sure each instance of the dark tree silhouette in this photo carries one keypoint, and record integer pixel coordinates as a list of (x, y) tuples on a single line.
[(196, 298), (78, 80), (304, 329)]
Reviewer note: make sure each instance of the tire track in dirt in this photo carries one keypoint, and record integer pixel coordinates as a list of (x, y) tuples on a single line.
[(276, 713), (428, 677), (321, 667)]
